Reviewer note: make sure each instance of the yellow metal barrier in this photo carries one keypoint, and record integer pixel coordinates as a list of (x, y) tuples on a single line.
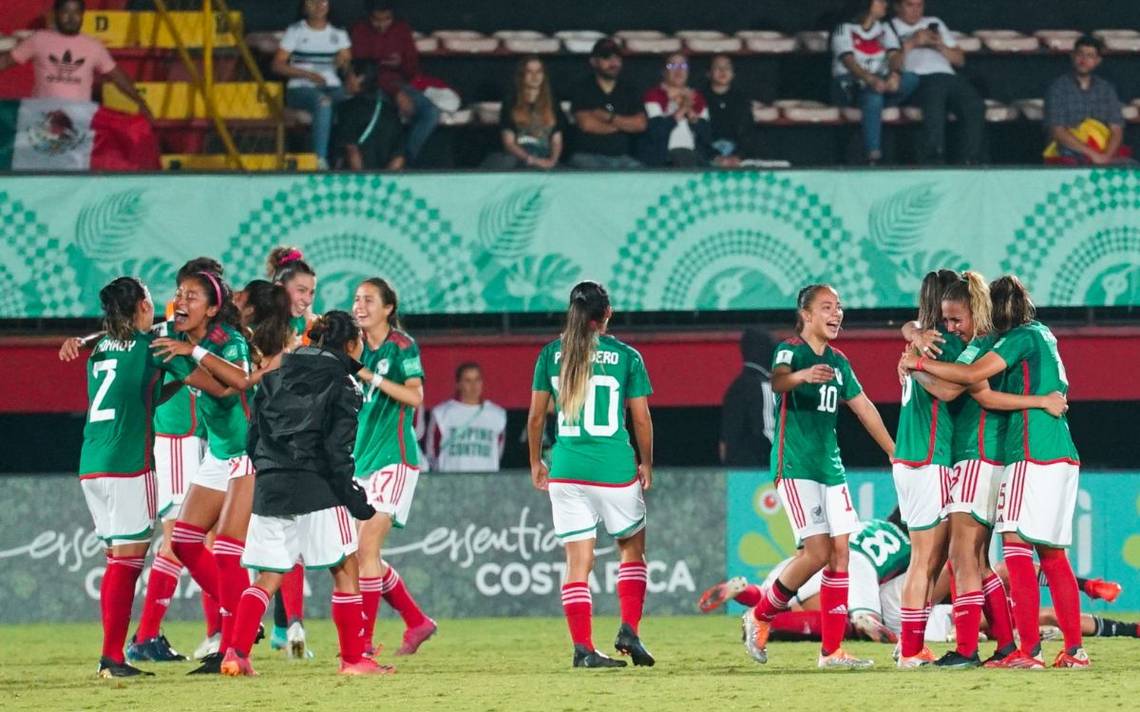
[(119, 29), (180, 100), (252, 161)]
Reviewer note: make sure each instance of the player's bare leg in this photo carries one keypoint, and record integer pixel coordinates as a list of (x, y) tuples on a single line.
[(633, 577)]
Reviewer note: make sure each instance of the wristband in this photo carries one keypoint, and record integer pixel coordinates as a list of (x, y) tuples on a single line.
[(377, 379), (199, 353), (920, 364)]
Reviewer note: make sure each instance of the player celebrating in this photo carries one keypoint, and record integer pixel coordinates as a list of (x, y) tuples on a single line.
[(116, 466), (387, 456), (1039, 485), (301, 441), (810, 378), (287, 266), (593, 476)]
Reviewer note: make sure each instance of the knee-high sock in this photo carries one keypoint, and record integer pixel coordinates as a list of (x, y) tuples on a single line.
[(349, 620), (632, 580), (774, 602), (396, 594), (293, 593), (577, 604), (833, 609), (967, 617), (116, 596), (913, 635), (370, 593), (233, 580), (160, 587), (996, 610), (212, 614), (750, 596), (189, 544), (1066, 594), (797, 625), (250, 609), (1025, 594)]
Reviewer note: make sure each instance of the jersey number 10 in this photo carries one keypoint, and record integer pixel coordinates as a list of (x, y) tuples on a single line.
[(589, 411), (828, 398)]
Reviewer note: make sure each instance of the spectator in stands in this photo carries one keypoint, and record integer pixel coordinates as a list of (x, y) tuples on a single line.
[(747, 418), (465, 433), (389, 43), (862, 48), (66, 61), (530, 123), (930, 51), (678, 132), (1083, 116), (313, 54), (730, 113), (608, 112), (369, 135)]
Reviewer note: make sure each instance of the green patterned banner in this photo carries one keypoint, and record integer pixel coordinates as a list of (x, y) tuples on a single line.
[(470, 243)]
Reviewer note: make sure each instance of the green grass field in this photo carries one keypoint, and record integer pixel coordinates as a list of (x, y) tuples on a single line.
[(524, 664)]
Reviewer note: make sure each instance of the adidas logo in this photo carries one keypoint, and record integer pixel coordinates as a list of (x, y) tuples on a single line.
[(165, 602), (841, 608), (65, 67)]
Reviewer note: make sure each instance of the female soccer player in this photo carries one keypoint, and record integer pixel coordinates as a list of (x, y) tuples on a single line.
[(116, 463), (593, 476), (212, 332), (387, 456), (810, 378), (287, 266), (301, 440), (921, 472), (1039, 484)]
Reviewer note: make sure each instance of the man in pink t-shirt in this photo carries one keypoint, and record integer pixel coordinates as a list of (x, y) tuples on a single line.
[(66, 61)]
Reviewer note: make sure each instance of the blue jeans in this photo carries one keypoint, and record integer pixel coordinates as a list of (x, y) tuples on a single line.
[(319, 103), (422, 123), (849, 91)]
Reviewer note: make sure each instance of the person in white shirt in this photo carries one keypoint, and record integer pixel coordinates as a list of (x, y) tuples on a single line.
[(314, 55), (930, 51), (863, 70), (465, 433)]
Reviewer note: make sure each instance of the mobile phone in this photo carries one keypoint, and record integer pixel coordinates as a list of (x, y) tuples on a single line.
[(933, 27)]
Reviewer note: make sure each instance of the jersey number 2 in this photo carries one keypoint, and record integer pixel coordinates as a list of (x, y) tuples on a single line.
[(98, 412), (589, 411)]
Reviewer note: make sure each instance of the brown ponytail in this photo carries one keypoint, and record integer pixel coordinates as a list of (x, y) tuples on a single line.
[(1012, 306), (284, 263), (934, 285), (584, 318), (389, 297), (120, 300)]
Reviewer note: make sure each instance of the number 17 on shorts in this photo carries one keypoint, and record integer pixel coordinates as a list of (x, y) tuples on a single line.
[(391, 489)]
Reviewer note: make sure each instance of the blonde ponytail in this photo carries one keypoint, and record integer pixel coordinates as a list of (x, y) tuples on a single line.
[(980, 305), (584, 319)]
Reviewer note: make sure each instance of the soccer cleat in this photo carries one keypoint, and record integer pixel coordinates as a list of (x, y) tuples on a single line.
[(953, 660), (843, 660), (235, 665), (108, 668), (628, 643), (279, 638), (1049, 632), (366, 666), (1078, 659), (716, 596), (756, 637), (924, 657), (211, 665), (873, 628), (155, 650), (296, 637), (1099, 588), (586, 658), (415, 637), (372, 650), (994, 661), (209, 646), (1018, 660)]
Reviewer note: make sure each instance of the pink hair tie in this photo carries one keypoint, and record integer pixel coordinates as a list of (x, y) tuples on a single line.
[(291, 256), (217, 285)]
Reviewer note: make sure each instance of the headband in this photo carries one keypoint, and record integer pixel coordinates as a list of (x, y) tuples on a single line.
[(217, 285), (290, 256)]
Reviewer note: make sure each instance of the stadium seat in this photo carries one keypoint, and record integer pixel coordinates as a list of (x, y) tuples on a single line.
[(1120, 40), (648, 42), (426, 44), (1131, 112), (854, 115), (997, 112), (251, 162), (911, 113), (7, 43), (967, 43), (463, 117), (1007, 41), (1057, 40), (709, 41), (639, 34), (764, 114), (264, 42), (808, 112), (528, 42), (466, 41), (579, 41), (767, 41), (565, 106), (487, 112), (813, 41), (1032, 109)]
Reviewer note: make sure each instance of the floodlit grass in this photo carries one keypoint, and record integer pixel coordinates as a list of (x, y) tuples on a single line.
[(516, 665)]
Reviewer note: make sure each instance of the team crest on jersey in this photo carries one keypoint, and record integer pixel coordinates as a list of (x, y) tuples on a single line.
[(839, 376), (382, 367), (817, 514), (784, 357)]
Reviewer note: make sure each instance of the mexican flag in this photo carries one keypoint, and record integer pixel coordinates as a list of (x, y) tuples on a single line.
[(58, 135)]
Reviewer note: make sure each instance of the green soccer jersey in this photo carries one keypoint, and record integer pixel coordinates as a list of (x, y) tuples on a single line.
[(596, 448), (1033, 367), (386, 434), (926, 427), (300, 327), (226, 419), (886, 545), (979, 434), (806, 446), (123, 385), (177, 416)]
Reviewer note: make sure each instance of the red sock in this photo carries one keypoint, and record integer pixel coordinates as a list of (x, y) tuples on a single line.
[(293, 593), (189, 544), (913, 636), (212, 615), (631, 582), (160, 587), (996, 610), (967, 618), (116, 596), (808, 624), (833, 609), (233, 580), (394, 591), (1066, 594), (750, 596), (774, 602), (370, 596), (348, 616), (246, 620), (1025, 594), (577, 604)]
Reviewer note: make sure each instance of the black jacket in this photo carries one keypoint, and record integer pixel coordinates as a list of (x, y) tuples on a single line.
[(302, 433)]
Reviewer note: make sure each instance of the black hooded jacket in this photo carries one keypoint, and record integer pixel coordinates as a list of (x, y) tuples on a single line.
[(302, 433)]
